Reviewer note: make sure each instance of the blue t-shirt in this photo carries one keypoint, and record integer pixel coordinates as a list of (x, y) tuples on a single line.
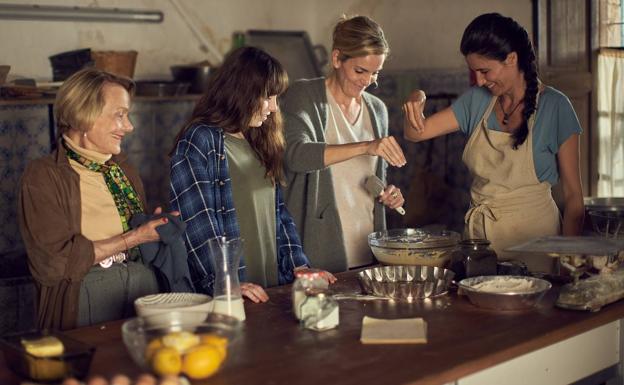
[(554, 123)]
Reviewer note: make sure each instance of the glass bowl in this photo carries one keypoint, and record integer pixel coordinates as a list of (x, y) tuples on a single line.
[(413, 246), (74, 361), (180, 342)]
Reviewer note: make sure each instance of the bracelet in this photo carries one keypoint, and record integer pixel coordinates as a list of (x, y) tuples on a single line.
[(115, 258), (125, 242)]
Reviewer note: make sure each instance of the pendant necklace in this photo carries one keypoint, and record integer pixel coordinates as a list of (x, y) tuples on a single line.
[(506, 115)]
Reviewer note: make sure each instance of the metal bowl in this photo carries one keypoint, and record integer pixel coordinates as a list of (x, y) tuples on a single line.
[(608, 224), (413, 246), (604, 204), (405, 283), (504, 292)]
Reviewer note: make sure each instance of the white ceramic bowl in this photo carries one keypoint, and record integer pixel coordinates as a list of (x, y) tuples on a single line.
[(194, 303)]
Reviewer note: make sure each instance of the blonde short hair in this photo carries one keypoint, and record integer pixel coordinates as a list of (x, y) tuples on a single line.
[(359, 36), (80, 101)]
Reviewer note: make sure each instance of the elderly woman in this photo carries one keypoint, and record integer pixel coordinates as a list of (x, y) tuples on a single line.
[(336, 137), (75, 206)]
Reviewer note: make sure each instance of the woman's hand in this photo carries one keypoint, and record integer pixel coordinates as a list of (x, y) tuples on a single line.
[(414, 109), (147, 231), (391, 197), (326, 275), (254, 292), (389, 149)]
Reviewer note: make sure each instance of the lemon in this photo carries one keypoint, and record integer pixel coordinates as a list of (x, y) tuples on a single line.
[(217, 341), (167, 361), (181, 341), (151, 348), (202, 361)]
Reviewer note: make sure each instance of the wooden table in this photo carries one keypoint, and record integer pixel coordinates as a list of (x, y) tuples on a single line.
[(274, 349)]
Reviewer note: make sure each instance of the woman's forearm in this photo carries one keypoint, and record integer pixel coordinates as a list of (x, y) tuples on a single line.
[(337, 153), (119, 243), (573, 215)]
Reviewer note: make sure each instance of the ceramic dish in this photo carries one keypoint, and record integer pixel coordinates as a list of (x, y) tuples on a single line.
[(169, 302), (72, 360)]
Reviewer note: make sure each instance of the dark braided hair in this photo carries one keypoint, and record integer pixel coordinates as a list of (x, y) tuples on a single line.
[(495, 36)]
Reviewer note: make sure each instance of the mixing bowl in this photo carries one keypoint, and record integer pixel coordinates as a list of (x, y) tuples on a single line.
[(413, 246), (608, 223), (504, 292), (405, 283), (174, 343)]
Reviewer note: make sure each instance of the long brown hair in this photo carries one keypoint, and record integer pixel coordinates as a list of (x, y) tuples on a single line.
[(233, 96)]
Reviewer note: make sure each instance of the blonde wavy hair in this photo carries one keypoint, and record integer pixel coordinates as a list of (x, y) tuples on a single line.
[(358, 36), (80, 101)]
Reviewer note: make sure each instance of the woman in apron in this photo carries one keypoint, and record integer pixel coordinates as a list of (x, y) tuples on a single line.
[(523, 139)]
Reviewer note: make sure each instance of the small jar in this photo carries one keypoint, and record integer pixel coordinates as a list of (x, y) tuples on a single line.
[(319, 311), (306, 280), (473, 257)]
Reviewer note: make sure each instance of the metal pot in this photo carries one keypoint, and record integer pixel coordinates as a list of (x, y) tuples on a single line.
[(604, 216), (160, 88), (195, 74)]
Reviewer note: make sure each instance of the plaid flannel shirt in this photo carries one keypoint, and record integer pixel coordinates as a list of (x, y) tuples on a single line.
[(201, 190)]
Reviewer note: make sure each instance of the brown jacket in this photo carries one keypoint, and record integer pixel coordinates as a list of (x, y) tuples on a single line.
[(49, 218)]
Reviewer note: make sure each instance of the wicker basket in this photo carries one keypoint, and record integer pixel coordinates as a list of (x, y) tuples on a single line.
[(117, 62)]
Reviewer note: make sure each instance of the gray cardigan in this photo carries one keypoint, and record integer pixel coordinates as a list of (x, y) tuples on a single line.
[(309, 193)]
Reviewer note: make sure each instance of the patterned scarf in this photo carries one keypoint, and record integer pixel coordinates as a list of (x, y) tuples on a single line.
[(126, 199)]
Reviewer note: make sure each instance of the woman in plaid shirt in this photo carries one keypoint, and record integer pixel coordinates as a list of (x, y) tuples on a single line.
[(226, 172)]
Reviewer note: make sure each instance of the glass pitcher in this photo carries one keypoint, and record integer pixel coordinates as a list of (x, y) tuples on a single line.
[(473, 257), (226, 253)]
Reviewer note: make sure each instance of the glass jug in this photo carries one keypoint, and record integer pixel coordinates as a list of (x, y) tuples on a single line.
[(227, 298), (473, 257)]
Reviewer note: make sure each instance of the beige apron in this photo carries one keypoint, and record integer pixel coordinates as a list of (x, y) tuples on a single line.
[(509, 205)]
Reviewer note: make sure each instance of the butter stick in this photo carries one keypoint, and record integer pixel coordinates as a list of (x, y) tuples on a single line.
[(48, 346)]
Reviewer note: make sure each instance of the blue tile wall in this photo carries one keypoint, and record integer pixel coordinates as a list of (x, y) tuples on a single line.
[(24, 135), (156, 126)]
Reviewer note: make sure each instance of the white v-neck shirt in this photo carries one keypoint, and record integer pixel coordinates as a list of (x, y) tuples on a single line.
[(355, 205)]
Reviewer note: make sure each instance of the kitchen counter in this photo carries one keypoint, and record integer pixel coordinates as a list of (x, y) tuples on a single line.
[(462, 340)]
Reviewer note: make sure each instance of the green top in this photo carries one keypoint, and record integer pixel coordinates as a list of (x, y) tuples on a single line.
[(254, 200)]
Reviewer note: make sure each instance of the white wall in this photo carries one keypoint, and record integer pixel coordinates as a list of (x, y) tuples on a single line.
[(422, 33)]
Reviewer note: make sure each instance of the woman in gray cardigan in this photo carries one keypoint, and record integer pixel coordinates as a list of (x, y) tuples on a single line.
[(336, 137)]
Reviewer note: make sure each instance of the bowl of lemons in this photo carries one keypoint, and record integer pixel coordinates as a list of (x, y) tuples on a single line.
[(176, 344)]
